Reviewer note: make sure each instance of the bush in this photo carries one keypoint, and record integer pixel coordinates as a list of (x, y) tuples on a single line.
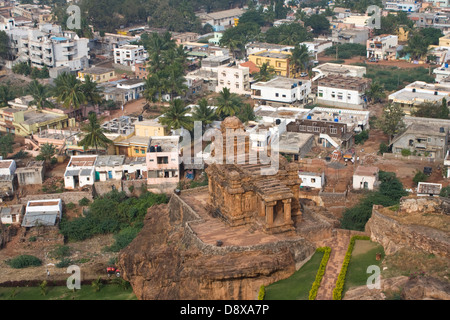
[(362, 137), (32, 239), (20, 155), (70, 206), (419, 177), (337, 292), (323, 264), (123, 239), (60, 252), (64, 263), (84, 202), (445, 192), (383, 148), (24, 261), (262, 292), (53, 161), (406, 152)]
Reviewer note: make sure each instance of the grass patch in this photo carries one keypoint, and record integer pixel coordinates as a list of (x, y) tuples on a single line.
[(363, 255), (107, 292), (297, 286)]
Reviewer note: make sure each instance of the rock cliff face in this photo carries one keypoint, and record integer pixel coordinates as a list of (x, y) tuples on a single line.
[(420, 288), (163, 263), (421, 223)]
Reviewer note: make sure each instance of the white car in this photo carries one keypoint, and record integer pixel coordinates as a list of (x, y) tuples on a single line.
[(303, 74)]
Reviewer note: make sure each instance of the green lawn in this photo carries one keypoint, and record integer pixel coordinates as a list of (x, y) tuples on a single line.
[(364, 255), (107, 292), (297, 286)]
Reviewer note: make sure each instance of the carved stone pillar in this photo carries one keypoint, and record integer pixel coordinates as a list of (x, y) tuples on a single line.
[(287, 211), (269, 213)]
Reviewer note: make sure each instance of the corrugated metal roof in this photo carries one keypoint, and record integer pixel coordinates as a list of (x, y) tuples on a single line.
[(71, 173), (35, 219)]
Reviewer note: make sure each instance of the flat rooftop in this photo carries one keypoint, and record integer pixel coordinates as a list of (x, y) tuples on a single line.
[(341, 69), (83, 161), (280, 83), (97, 70), (273, 54), (167, 144), (110, 161), (5, 163), (281, 113), (340, 82), (345, 116), (366, 171), (32, 117), (291, 142)]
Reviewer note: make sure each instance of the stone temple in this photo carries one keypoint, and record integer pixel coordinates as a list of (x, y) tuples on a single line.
[(252, 192)]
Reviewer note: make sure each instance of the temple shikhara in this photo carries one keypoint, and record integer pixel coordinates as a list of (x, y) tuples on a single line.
[(240, 194)]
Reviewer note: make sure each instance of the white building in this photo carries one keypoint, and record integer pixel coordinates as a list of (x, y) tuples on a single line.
[(7, 167), (80, 172), (255, 47), (49, 46), (236, 79), (447, 164), (281, 91), (313, 180), (365, 178), (225, 18), (343, 92), (127, 55), (345, 70), (134, 87), (407, 6), (382, 47), (11, 214), (317, 46), (426, 189), (42, 213)]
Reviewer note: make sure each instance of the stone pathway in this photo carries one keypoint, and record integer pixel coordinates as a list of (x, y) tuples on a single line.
[(338, 244)]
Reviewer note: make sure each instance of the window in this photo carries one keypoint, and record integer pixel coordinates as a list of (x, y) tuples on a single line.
[(316, 129), (310, 129), (277, 94), (333, 94), (136, 150), (284, 96), (313, 180), (339, 96), (320, 93), (162, 160), (333, 130)]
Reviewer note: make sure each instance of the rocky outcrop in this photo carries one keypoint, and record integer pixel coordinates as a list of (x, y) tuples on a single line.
[(419, 288), (163, 262), (412, 226)]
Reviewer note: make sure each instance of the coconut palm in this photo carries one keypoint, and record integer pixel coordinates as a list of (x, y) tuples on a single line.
[(69, 91), (47, 152), (375, 93), (91, 91), (204, 113), (5, 95), (175, 116), (246, 113), (300, 59), (94, 134), (266, 72), (40, 94), (228, 104)]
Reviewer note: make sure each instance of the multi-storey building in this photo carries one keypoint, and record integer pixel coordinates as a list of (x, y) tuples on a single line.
[(236, 79), (279, 61), (382, 47), (281, 91), (129, 54)]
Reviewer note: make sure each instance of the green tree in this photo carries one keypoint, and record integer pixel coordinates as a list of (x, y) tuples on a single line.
[(376, 93), (419, 176), (288, 34), (175, 116), (246, 113), (6, 145), (204, 113), (431, 34), (319, 23), (391, 121), (94, 135), (40, 94), (444, 112), (228, 104), (5, 95), (300, 59), (47, 152), (91, 91), (4, 46), (69, 91), (265, 73), (417, 46)]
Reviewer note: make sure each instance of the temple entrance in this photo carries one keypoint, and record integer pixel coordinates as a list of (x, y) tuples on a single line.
[(278, 214)]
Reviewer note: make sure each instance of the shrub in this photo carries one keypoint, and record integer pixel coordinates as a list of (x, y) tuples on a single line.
[(262, 292), (362, 137), (70, 206), (64, 263), (84, 202), (383, 148), (123, 239), (131, 188), (419, 177), (323, 264), (445, 192), (60, 252), (406, 152), (53, 161), (32, 239), (337, 291), (24, 261)]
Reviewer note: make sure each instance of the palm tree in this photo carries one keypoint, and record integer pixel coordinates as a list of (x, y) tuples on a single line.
[(204, 113), (5, 95), (375, 93), (266, 72), (175, 80), (91, 91), (40, 93), (94, 134), (69, 91), (47, 152), (228, 104), (175, 116), (246, 114), (300, 59)]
